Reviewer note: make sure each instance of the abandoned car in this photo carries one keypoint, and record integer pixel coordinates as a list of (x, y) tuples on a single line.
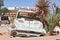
[(26, 26)]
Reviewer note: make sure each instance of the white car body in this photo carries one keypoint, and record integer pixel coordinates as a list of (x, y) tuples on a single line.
[(29, 27)]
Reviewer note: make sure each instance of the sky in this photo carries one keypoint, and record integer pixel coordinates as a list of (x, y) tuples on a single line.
[(19, 3), (24, 3)]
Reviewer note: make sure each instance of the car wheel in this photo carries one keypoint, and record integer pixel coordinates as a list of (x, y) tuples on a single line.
[(42, 34), (13, 33)]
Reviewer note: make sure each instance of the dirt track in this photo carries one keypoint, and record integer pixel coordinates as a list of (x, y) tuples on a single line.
[(5, 36)]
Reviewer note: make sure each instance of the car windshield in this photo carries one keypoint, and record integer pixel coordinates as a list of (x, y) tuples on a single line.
[(26, 16)]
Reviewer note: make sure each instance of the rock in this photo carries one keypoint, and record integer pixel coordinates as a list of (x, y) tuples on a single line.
[(1, 34)]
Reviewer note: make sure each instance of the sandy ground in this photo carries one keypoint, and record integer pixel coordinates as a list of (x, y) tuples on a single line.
[(5, 35)]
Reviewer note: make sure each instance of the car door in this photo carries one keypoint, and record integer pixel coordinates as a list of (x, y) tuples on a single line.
[(36, 26), (22, 24)]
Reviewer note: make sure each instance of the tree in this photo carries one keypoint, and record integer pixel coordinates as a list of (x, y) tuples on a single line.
[(43, 5), (59, 10), (1, 3), (3, 10), (54, 18), (56, 7)]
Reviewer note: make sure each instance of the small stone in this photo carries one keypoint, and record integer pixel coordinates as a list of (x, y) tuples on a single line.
[(1, 34)]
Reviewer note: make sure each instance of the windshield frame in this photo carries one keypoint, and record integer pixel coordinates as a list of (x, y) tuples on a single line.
[(19, 16), (34, 18)]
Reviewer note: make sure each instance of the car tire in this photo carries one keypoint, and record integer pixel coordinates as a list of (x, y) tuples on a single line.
[(42, 35), (13, 33)]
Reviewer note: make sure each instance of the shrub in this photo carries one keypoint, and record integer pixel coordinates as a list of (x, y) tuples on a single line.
[(52, 19)]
